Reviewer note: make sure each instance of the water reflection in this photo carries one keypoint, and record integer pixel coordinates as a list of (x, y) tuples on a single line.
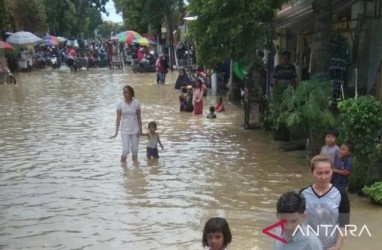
[(62, 186)]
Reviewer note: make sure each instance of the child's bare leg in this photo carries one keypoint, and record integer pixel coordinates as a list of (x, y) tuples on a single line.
[(123, 159), (135, 157)]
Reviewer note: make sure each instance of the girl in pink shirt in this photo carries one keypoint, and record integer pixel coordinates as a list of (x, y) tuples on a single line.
[(219, 107), (197, 98)]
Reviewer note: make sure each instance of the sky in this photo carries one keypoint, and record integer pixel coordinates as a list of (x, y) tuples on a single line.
[(113, 16)]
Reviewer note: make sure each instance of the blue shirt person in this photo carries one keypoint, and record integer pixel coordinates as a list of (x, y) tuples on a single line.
[(343, 166)]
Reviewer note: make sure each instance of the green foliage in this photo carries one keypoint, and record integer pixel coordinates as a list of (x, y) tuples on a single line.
[(133, 14), (305, 110), (374, 192), (107, 28), (99, 4), (361, 123), (140, 15), (64, 17), (4, 18), (231, 28), (28, 15), (72, 17)]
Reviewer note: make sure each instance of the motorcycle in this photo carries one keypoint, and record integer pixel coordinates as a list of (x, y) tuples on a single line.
[(72, 64), (145, 65), (55, 62)]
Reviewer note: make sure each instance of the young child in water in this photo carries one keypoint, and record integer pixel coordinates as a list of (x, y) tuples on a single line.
[(211, 115), (343, 166), (216, 234), (219, 107), (153, 136), (330, 148), (291, 208)]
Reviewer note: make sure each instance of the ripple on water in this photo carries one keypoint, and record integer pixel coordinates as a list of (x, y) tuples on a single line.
[(62, 186)]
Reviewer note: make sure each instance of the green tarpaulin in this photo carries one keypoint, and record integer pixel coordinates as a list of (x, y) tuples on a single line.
[(240, 69)]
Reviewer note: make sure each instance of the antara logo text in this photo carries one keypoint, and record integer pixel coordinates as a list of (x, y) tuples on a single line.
[(320, 230)]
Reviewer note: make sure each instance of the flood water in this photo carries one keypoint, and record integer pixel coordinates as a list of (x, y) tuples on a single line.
[(62, 186)]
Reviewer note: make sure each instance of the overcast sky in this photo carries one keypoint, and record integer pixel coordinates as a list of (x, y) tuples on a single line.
[(113, 16)]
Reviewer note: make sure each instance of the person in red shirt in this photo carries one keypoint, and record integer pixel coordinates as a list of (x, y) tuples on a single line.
[(219, 107), (140, 55), (161, 70), (72, 53)]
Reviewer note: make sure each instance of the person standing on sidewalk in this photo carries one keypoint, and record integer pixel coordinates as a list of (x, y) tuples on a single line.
[(130, 121)]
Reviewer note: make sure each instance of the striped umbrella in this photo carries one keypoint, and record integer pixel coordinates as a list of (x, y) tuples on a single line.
[(143, 41), (128, 36)]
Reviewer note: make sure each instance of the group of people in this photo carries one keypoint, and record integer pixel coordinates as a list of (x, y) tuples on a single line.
[(129, 121), (313, 219), (323, 206), (191, 95)]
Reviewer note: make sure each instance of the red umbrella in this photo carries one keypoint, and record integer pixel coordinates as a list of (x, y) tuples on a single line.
[(5, 46)]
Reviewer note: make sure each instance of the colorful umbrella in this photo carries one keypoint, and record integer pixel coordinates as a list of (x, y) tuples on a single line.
[(128, 36), (23, 38), (143, 41), (50, 41), (5, 46)]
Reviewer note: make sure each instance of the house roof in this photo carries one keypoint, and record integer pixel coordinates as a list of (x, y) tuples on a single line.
[(300, 16)]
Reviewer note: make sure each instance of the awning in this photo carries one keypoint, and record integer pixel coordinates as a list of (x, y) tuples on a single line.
[(300, 16)]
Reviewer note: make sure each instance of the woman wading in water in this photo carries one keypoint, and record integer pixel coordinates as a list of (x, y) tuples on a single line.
[(130, 122)]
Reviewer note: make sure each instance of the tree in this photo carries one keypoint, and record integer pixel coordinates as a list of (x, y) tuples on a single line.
[(72, 17), (322, 14), (134, 15), (4, 18), (61, 17), (99, 4), (231, 29), (28, 15), (107, 28)]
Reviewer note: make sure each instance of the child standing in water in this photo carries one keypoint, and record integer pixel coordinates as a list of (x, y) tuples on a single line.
[(211, 115), (216, 234), (343, 166), (219, 107), (197, 98), (153, 136)]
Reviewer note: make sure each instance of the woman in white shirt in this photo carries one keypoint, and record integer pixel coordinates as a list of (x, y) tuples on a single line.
[(130, 122)]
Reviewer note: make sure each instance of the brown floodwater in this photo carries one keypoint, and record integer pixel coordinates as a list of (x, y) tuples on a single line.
[(62, 186)]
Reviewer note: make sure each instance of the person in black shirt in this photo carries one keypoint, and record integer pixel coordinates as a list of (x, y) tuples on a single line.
[(284, 75), (285, 72)]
